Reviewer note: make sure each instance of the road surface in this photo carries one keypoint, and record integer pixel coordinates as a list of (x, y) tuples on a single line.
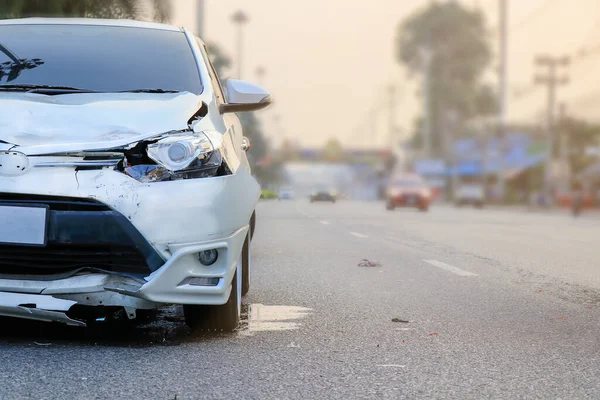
[(459, 303)]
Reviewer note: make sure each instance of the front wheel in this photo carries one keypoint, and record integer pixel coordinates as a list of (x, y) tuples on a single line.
[(389, 206), (224, 318), (246, 265)]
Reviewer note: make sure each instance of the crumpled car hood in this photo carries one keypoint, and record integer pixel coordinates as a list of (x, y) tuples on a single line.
[(89, 121)]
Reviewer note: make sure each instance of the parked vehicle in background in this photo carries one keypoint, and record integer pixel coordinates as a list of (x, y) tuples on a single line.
[(286, 193), (121, 154), (408, 191), (470, 192), (322, 193)]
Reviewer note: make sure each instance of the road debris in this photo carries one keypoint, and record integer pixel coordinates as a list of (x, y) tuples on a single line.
[(368, 263), (403, 321), (43, 344)]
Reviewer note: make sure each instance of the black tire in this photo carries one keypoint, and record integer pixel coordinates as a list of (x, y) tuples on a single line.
[(246, 265), (389, 206), (224, 318), (424, 209), (479, 204), (252, 225)]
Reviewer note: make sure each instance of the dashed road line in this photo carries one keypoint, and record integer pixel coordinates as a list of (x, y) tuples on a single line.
[(449, 268), (359, 235)]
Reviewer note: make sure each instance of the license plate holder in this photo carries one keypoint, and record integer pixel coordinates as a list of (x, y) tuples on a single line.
[(24, 224)]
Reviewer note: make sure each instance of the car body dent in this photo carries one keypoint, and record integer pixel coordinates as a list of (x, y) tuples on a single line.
[(42, 124), (37, 307)]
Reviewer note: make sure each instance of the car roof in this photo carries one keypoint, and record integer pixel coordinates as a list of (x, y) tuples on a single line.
[(90, 22)]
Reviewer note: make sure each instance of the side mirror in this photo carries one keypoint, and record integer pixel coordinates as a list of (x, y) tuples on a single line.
[(244, 96)]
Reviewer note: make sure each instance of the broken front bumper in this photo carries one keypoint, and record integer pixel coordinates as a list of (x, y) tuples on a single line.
[(176, 219)]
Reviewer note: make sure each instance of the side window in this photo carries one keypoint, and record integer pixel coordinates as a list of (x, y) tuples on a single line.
[(216, 83)]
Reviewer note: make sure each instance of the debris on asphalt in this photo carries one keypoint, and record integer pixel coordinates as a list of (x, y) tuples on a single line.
[(43, 344), (368, 263), (434, 334), (403, 321), (293, 345)]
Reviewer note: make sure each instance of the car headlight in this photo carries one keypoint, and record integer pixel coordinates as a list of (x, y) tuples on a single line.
[(182, 151), (181, 155), (393, 192)]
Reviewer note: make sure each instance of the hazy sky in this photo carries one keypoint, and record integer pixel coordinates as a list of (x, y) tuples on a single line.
[(329, 62)]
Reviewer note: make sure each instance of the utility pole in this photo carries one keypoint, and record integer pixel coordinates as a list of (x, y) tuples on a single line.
[(426, 58), (240, 19), (551, 80), (502, 77), (564, 149), (200, 18), (391, 116)]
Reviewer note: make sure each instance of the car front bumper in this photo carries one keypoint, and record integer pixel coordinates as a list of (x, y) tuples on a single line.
[(174, 220), (408, 201)]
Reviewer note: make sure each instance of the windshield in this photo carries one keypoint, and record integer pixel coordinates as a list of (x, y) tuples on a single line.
[(99, 58), (408, 182)]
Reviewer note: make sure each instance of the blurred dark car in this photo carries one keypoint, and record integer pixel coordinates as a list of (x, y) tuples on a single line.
[(408, 191), (323, 194)]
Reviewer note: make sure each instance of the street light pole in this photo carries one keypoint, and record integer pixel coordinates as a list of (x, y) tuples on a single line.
[(426, 56), (502, 74), (260, 74), (200, 18), (240, 19)]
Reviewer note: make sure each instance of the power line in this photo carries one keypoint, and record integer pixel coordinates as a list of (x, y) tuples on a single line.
[(535, 13)]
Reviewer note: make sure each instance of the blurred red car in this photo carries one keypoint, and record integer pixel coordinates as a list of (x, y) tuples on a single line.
[(408, 191)]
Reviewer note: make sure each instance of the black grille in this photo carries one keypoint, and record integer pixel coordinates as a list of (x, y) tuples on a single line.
[(63, 258), (55, 203)]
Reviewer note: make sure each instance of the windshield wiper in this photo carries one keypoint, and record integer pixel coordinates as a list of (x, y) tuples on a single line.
[(43, 88), (149, 91)]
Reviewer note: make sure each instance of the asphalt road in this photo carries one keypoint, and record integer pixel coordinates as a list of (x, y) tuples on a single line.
[(486, 304)]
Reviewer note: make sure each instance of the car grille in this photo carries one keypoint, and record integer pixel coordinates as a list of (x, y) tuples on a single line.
[(82, 234), (55, 203), (63, 258)]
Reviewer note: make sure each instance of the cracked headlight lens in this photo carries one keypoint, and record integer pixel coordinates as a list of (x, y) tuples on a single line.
[(183, 151), (186, 155)]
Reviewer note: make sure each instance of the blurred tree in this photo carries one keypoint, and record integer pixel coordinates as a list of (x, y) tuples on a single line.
[(219, 59), (581, 135), (131, 9), (456, 39)]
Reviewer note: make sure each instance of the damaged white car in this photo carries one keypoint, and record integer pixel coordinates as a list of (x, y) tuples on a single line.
[(124, 182)]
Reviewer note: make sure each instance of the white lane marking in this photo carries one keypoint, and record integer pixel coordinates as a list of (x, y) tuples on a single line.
[(358, 235), (304, 214), (449, 268), (324, 222)]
